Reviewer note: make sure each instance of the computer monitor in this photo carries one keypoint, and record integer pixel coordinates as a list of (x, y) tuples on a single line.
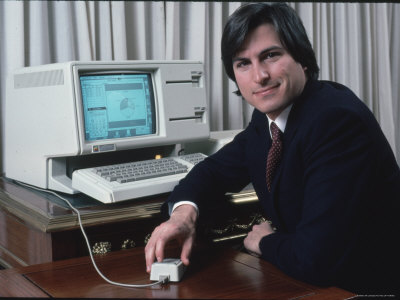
[(68, 110), (125, 107)]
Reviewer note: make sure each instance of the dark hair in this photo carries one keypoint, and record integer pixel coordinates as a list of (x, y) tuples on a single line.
[(287, 24)]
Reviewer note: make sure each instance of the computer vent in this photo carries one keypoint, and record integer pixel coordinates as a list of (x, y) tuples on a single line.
[(37, 79)]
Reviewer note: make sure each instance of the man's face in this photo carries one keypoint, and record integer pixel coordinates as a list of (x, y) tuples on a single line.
[(267, 76)]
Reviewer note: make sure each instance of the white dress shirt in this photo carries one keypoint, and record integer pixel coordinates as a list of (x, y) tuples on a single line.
[(280, 120)]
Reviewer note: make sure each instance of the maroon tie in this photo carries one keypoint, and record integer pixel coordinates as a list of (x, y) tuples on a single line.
[(274, 154)]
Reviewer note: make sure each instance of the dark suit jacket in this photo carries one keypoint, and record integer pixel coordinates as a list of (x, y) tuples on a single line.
[(335, 197)]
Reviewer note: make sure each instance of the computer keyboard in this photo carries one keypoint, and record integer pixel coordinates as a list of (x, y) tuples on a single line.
[(125, 181)]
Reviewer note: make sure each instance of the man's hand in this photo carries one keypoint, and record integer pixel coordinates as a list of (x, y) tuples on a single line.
[(253, 238), (181, 226)]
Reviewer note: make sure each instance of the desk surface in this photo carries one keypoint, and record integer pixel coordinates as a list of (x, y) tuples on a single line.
[(220, 273), (47, 213), (37, 227)]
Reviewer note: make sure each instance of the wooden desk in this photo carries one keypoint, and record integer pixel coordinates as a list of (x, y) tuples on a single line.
[(214, 273), (36, 227)]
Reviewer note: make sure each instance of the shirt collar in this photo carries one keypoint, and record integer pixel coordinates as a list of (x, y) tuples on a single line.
[(281, 120)]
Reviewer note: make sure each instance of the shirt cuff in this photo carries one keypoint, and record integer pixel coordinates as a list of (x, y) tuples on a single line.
[(185, 202)]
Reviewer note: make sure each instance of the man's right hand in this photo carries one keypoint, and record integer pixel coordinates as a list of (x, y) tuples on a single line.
[(181, 226)]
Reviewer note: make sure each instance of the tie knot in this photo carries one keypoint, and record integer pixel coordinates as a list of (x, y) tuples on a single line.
[(275, 132)]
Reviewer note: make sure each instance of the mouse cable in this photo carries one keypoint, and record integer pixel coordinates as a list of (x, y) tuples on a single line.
[(163, 279)]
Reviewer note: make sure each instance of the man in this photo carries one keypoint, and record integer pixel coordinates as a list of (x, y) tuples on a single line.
[(334, 196)]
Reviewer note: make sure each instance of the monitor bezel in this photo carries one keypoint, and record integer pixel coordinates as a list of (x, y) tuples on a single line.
[(106, 145)]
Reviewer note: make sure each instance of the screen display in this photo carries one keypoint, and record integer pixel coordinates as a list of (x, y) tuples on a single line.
[(118, 105)]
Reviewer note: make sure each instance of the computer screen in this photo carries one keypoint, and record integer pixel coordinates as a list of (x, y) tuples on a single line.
[(117, 105)]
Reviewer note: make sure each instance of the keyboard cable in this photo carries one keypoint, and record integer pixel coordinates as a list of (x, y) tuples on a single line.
[(162, 279)]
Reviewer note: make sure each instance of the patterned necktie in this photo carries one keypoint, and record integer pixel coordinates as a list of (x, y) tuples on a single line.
[(274, 154)]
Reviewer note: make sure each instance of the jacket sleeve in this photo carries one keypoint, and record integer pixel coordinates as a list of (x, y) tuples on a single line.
[(209, 180)]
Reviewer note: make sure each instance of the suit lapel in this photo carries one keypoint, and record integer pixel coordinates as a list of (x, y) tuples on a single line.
[(262, 145), (292, 126)]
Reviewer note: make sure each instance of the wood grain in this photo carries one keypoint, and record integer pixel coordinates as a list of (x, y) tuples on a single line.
[(213, 273)]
